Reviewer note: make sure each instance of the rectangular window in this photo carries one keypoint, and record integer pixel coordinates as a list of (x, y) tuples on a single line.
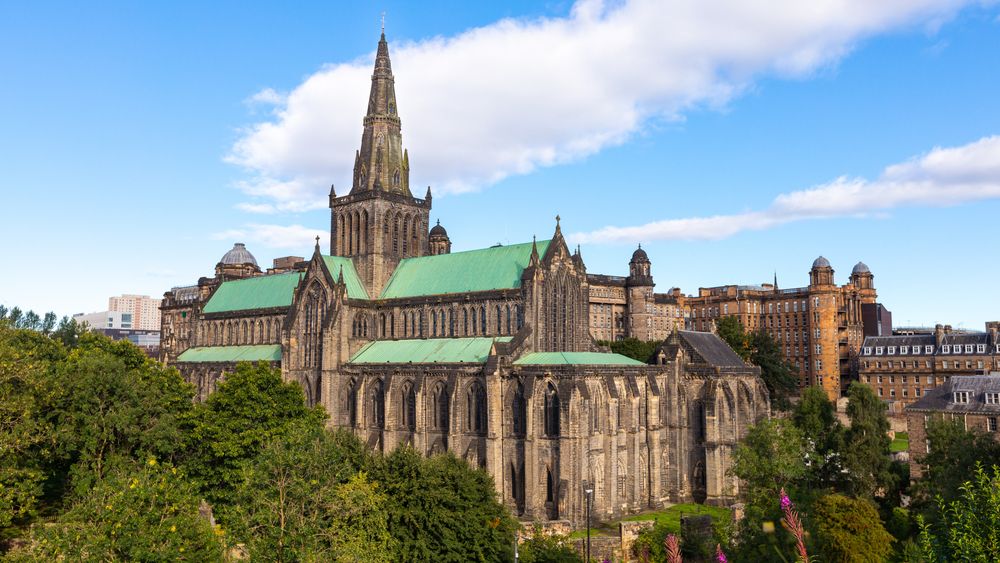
[(916, 350), (979, 364), (890, 364), (868, 350), (904, 350), (819, 365), (879, 391), (892, 378), (991, 424), (892, 350), (945, 349), (916, 391), (928, 349), (927, 364), (961, 397), (968, 348), (892, 393), (992, 398), (880, 380), (878, 350), (980, 348)]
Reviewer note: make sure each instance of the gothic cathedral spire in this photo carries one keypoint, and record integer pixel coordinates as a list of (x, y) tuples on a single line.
[(381, 164)]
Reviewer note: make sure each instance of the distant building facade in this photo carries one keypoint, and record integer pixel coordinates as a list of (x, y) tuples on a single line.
[(486, 353), (818, 328), (145, 310), (904, 368), (106, 320), (626, 307), (973, 400)]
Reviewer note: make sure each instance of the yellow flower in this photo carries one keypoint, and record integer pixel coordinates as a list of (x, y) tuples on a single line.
[(181, 549), (173, 529), (151, 462), (107, 507)]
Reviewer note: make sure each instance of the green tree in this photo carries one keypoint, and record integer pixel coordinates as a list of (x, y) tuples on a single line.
[(866, 451), (359, 528), (540, 547), (69, 332), (968, 528), (251, 407), (144, 512), (290, 504), (48, 323), (25, 436), (632, 347), (442, 510), (849, 530), (731, 330), (112, 404), (760, 349), (815, 416), (770, 457), (954, 453)]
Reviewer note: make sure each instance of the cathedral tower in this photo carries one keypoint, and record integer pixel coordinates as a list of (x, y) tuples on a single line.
[(379, 222)]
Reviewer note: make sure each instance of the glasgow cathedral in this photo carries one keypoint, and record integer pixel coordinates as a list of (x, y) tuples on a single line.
[(484, 353)]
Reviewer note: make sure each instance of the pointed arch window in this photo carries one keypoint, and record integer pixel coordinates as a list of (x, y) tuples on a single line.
[(499, 320), (476, 411), (465, 322), (377, 405), (352, 403), (519, 411), (551, 411), (482, 319), (508, 320), (409, 403), (440, 398)]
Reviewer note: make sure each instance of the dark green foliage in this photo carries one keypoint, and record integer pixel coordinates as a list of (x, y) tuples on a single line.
[(296, 493), (968, 528), (633, 348), (954, 454), (69, 332), (442, 510), (815, 416), (111, 404), (849, 530), (547, 548), (251, 407), (146, 512), (761, 350), (866, 452)]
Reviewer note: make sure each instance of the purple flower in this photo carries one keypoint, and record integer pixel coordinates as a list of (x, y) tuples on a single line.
[(719, 555), (786, 502)]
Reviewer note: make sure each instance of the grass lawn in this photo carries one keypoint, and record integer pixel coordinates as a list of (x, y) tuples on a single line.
[(669, 516), (901, 443)]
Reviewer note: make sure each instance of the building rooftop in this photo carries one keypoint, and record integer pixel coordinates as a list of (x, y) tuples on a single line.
[(942, 398)]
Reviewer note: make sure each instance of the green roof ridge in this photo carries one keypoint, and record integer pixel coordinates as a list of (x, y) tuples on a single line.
[(259, 292), (577, 358), (483, 269), (355, 289), (471, 350), (248, 353)]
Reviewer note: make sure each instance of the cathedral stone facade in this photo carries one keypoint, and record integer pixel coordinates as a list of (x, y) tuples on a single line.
[(485, 353)]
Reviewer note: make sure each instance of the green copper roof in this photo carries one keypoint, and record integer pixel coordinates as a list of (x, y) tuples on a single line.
[(430, 351), (577, 358), (265, 352), (498, 267), (355, 290), (260, 292)]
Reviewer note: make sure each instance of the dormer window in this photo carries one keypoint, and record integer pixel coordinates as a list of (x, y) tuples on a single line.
[(868, 350), (992, 398), (968, 348), (961, 397), (980, 348), (916, 350), (892, 350), (930, 349), (945, 349), (904, 350), (878, 350)]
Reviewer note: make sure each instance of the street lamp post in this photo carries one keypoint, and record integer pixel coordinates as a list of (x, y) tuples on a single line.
[(589, 492)]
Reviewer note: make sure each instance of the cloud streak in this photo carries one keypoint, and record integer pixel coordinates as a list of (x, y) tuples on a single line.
[(942, 177), (292, 237), (516, 95)]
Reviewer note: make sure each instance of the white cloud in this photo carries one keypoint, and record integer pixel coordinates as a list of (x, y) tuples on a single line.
[(942, 177), (294, 237), (516, 95)]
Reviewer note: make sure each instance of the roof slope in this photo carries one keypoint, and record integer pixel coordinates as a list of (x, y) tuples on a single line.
[(258, 352), (429, 351), (577, 358), (261, 292), (712, 349), (355, 289), (498, 267)]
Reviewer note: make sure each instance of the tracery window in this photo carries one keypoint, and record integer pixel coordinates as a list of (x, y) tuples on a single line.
[(440, 407), (377, 413), (476, 409), (408, 400), (519, 411), (551, 411)]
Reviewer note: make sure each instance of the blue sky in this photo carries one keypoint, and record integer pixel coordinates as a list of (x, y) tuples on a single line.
[(141, 140)]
